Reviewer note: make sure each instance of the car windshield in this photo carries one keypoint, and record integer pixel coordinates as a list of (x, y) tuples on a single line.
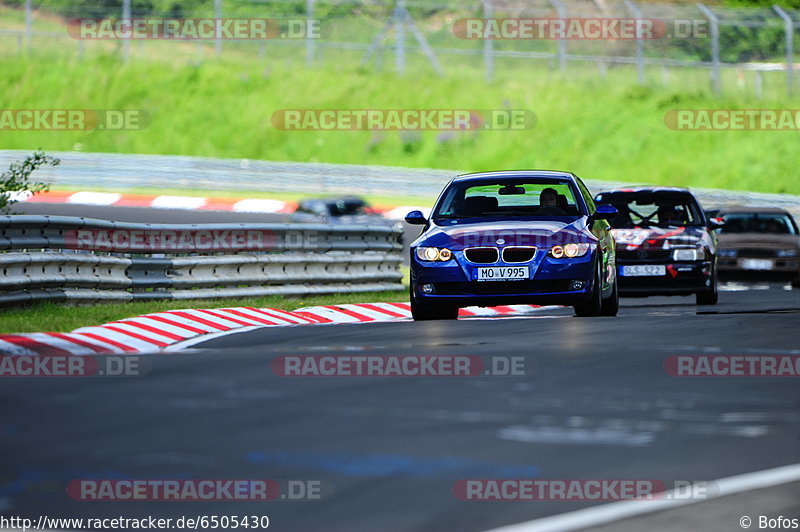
[(524, 198), (347, 207), (649, 209), (751, 222)]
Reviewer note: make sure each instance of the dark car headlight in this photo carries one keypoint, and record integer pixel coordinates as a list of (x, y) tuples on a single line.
[(570, 250), (727, 253), (430, 254), (786, 252)]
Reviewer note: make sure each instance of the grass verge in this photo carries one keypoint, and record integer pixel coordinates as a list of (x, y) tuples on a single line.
[(53, 317)]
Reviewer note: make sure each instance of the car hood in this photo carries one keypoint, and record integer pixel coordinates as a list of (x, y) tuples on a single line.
[(756, 240), (539, 233), (657, 237)]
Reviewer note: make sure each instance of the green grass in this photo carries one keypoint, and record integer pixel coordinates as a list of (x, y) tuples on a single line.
[(601, 129), (52, 317)]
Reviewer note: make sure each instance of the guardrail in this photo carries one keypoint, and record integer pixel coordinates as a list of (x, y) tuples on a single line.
[(61, 258)]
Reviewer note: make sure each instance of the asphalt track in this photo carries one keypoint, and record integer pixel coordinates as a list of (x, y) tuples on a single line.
[(595, 402)]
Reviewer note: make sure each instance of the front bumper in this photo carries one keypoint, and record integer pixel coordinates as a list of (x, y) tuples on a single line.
[(681, 278), (453, 282)]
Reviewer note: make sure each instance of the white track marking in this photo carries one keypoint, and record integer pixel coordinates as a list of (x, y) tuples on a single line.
[(178, 202), (617, 511), (259, 205), (94, 198)]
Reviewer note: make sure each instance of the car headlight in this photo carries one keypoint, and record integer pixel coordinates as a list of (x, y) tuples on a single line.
[(727, 253), (682, 254), (787, 252), (434, 254), (570, 250)]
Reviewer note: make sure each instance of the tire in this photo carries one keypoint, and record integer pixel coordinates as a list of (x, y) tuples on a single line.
[(710, 296), (611, 304), (427, 311), (593, 307)]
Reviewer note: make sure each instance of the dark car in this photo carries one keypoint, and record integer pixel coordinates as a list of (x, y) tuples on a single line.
[(665, 243), (337, 210), (498, 238), (759, 243)]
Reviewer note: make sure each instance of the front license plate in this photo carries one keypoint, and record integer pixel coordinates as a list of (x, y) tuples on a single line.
[(503, 273), (756, 264), (644, 271)]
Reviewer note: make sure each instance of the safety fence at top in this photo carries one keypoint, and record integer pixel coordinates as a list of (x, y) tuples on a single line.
[(446, 36), (80, 259)]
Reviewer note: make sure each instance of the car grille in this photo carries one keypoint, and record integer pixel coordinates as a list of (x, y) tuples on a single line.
[(759, 253), (481, 255), (643, 255), (518, 253)]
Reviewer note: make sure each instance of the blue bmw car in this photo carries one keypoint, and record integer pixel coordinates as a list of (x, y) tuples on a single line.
[(514, 237)]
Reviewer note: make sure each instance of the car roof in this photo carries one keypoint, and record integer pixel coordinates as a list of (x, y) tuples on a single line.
[(744, 210), (647, 189), (516, 174)]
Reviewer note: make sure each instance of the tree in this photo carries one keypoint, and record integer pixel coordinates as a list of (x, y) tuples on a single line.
[(18, 178)]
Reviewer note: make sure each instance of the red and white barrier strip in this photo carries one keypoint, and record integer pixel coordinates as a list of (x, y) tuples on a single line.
[(245, 205), (154, 332), (254, 205)]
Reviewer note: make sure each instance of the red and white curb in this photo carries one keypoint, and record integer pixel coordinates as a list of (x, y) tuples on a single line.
[(244, 205), (156, 332)]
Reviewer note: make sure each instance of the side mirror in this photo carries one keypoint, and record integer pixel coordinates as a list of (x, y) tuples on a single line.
[(605, 212), (716, 223), (416, 218)]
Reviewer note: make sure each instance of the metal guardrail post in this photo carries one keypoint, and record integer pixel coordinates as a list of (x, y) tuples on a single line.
[(562, 44), (715, 63), (789, 29), (488, 44), (28, 23), (218, 16), (310, 45), (637, 13), (400, 36), (126, 42)]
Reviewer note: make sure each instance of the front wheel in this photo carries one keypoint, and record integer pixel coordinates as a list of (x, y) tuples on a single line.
[(430, 311), (594, 306), (709, 296), (611, 305)]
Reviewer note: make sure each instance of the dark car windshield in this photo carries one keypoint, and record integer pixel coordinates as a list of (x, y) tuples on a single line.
[(524, 198), (652, 209), (347, 207), (751, 222)]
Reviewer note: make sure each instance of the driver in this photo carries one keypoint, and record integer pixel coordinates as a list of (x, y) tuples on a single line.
[(669, 215), (548, 203)]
